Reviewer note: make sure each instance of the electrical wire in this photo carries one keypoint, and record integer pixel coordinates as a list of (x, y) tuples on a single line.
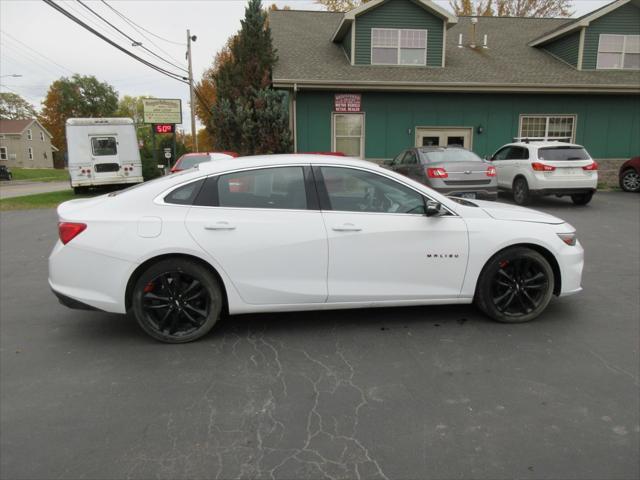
[(124, 17), (36, 52), (72, 17), (138, 29), (134, 41)]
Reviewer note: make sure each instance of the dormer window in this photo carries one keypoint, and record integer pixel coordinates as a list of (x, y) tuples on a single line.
[(393, 46), (619, 52)]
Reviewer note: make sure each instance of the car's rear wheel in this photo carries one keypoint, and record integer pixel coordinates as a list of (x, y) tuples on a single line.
[(515, 286), (177, 300), (582, 198), (521, 193), (630, 181)]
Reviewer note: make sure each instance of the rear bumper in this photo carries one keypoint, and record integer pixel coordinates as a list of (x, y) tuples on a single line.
[(563, 191), (95, 182), (481, 193)]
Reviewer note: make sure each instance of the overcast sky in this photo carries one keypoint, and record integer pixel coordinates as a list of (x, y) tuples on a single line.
[(42, 45)]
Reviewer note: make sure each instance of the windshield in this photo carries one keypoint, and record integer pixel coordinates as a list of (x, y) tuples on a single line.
[(193, 160), (450, 155), (563, 153)]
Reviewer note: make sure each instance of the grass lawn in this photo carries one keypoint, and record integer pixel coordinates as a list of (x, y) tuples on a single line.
[(40, 174), (40, 200)]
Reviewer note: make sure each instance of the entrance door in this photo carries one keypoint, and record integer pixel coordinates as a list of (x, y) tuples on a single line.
[(444, 137)]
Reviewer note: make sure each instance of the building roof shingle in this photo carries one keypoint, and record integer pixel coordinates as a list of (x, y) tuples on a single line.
[(307, 57), (14, 127)]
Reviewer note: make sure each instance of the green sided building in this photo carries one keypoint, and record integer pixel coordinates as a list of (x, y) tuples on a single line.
[(392, 74)]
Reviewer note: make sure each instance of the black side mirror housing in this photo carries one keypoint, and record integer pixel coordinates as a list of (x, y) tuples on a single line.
[(433, 208)]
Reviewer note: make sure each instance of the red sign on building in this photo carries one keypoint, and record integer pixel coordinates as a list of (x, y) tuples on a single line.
[(347, 102), (163, 127)]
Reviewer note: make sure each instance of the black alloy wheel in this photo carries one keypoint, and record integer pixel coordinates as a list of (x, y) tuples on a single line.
[(177, 301), (630, 181), (521, 193), (515, 286)]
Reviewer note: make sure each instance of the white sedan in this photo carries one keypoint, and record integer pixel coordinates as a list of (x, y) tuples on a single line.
[(302, 232)]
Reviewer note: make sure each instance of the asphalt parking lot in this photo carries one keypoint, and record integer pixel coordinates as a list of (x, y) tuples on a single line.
[(433, 392)]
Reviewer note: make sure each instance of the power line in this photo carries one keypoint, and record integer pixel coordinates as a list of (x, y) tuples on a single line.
[(161, 70), (124, 17), (134, 42), (138, 29), (36, 52)]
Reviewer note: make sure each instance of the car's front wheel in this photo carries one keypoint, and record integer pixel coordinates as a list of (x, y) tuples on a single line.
[(176, 300), (521, 193), (515, 286), (630, 181)]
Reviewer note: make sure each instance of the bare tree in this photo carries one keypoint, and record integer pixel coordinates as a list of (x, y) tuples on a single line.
[(513, 8)]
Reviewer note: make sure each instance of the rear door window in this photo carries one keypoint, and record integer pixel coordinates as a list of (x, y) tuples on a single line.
[(104, 146), (281, 187), (563, 153), (519, 153)]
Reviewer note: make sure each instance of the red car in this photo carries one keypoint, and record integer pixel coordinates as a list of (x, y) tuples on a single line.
[(189, 160), (630, 175)]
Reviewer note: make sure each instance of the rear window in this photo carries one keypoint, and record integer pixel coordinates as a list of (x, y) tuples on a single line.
[(563, 153), (193, 160), (450, 155), (103, 146)]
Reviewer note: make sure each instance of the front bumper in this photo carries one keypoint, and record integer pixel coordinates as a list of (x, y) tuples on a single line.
[(73, 303)]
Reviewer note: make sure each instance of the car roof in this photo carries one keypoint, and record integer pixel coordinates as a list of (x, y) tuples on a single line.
[(542, 144), (281, 159)]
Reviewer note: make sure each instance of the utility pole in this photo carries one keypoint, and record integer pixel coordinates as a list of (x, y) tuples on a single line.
[(194, 134)]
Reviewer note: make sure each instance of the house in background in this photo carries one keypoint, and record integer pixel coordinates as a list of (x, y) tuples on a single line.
[(25, 144), (393, 74)]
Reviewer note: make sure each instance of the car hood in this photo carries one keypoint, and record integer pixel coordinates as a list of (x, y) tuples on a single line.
[(504, 211)]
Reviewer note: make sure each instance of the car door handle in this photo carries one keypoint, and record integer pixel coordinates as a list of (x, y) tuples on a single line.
[(346, 227), (220, 226)]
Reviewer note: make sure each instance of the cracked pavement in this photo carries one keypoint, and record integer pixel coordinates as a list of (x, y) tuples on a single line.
[(397, 393)]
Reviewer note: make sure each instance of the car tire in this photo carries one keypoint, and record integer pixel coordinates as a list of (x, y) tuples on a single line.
[(515, 286), (521, 193), (630, 181), (582, 198), (176, 300)]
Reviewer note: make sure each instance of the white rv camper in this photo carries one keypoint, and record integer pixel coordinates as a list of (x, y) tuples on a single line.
[(102, 151)]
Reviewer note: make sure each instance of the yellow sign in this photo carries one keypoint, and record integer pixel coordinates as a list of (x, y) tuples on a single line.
[(162, 110)]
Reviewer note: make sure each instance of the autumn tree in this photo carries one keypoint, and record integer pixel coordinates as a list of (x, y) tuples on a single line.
[(14, 107), (248, 116), (78, 96), (341, 5), (513, 8)]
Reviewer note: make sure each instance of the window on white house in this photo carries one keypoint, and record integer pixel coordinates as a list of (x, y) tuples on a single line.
[(29, 134), (348, 134), (618, 52), (548, 127), (3, 153), (42, 136), (30, 153), (392, 46)]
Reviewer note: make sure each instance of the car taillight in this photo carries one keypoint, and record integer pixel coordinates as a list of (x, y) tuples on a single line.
[(69, 230), (541, 167), (437, 173), (491, 171), (591, 166)]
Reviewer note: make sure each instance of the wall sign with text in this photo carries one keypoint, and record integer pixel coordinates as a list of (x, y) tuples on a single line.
[(347, 102), (164, 127)]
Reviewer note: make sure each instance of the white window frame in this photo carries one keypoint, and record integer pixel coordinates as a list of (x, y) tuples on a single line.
[(623, 52), (333, 132), (546, 137), (4, 153), (29, 134), (399, 48), (41, 136), (30, 153)]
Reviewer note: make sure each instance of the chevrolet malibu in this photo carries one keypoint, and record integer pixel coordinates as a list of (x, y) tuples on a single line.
[(302, 232)]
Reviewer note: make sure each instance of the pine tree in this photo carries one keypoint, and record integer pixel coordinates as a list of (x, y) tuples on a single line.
[(248, 116)]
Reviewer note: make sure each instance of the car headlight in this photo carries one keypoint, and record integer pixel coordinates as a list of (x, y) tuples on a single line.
[(568, 238)]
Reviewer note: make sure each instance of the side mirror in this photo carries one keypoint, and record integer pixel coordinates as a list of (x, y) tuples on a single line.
[(488, 158), (388, 162), (433, 208)]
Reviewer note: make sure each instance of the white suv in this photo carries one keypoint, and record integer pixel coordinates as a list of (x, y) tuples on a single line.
[(546, 168)]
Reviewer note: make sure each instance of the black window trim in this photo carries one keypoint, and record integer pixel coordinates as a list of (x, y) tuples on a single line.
[(207, 196)]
